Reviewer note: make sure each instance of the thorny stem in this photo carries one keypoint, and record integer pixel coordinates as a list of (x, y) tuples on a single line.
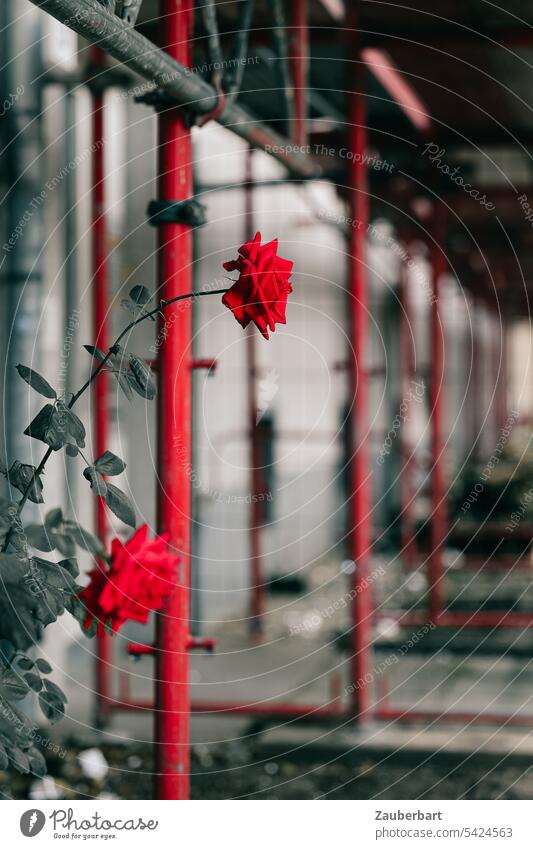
[(112, 350)]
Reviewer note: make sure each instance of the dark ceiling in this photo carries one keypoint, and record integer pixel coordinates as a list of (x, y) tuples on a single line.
[(470, 63)]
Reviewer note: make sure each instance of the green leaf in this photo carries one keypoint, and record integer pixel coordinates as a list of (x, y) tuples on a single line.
[(20, 760), (4, 760), (95, 352), (53, 517), (119, 503), (20, 603), (7, 650), (72, 424), (43, 666), (70, 564), (109, 464), (77, 609), (34, 681), (83, 538), (64, 544), (13, 685), (125, 384), (37, 762), (36, 381), (96, 480), (57, 575), (8, 518), (25, 662), (54, 690), (121, 370), (126, 304), (18, 541), (48, 426)]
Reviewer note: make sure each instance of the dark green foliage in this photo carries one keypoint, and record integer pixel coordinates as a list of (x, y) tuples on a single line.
[(95, 352), (17, 731), (35, 591), (117, 501), (52, 701), (140, 295), (139, 298), (143, 381), (48, 427)]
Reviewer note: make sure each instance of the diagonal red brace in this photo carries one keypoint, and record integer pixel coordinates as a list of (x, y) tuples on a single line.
[(209, 363), (137, 649)]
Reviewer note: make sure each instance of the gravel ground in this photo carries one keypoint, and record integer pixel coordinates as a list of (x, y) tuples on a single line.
[(229, 771)]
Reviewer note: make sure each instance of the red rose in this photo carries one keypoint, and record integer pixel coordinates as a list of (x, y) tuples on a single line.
[(260, 293), (141, 574)]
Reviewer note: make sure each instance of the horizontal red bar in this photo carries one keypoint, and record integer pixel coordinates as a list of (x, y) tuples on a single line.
[(140, 648), (281, 709), (208, 644), (502, 562), (130, 704), (210, 364)]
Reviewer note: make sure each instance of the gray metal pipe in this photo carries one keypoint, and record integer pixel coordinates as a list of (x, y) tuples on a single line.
[(92, 21)]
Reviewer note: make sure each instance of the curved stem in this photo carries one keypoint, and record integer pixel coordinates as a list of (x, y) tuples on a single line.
[(112, 350)]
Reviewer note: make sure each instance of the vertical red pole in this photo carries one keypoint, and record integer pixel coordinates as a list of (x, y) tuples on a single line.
[(299, 60), (407, 370), (437, 396), (360, 481), (477, 376), (174, 430), (101, 340), (501, 355), (256, 576)]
